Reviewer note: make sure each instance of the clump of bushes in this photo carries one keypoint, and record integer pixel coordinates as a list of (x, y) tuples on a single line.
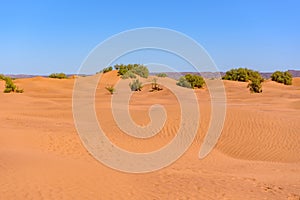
[(242, 74), (136, 85), (105, 70), (9, 85), (191, 81), (58, 75), (282, 77), (161, 75), (246, 75), (137, 69), (128, 74), (110, 89), (255, 86)]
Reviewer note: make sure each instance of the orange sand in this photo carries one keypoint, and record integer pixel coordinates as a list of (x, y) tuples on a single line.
[(257, 156)]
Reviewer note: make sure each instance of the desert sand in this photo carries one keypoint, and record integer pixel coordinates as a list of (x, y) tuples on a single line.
[(256, 157)]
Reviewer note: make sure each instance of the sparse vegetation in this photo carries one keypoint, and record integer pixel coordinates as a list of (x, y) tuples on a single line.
[(136, 85), (2, 77), (246, 75), (110, 89), (58, 76), (105, 70), (137, 69), (155, 86), (9, 85), (255, 86), (282, 77), (183, 82), (191, 81), (128, 74), (161, 75), (243, 75)]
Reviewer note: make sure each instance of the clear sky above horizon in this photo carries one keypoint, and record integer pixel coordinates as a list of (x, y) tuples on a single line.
[(41, 37)]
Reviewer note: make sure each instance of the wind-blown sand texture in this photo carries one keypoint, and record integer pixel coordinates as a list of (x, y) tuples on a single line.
[(257, 155)]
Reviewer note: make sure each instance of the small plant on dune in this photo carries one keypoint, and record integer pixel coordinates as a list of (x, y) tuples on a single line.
[(191, 81), (162, 75), (19, 90), (58, 76), (10, 86), (282, 77), (136, 85), (255, 86), (110, 89), (105, 70), (155, 86)]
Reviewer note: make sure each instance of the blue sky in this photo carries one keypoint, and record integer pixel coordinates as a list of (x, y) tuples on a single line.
[(41, 37)]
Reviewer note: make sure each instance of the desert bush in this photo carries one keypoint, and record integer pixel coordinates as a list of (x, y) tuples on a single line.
[(161, 75), (282, 77), (9, 85), (128, 74), (137, 69), (191, 81), (58, 75), (141, 70), (155, 86), (110, 89), (2, 77), (136, 85), (183, 82), (105, 70), (243, 75), (255, 86)]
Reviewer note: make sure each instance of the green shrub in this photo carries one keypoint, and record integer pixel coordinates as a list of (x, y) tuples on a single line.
[(2, 77), (137, 69), (162, 75), (9, 85), (282, 77), (136, 85), (128, 74), (58, 75), (105, 70), (255, 86), (191, 81), (141, 70), (243, 75), (111, 89), (183, 82), (155, 86), (8, 90)]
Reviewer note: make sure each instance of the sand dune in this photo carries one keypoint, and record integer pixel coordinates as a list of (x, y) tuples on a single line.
[(257, 155)]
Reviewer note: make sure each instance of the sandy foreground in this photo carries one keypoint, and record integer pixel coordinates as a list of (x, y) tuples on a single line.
[(257, 155)]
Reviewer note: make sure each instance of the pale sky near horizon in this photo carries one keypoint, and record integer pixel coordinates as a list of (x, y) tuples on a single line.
[(41, 37)]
